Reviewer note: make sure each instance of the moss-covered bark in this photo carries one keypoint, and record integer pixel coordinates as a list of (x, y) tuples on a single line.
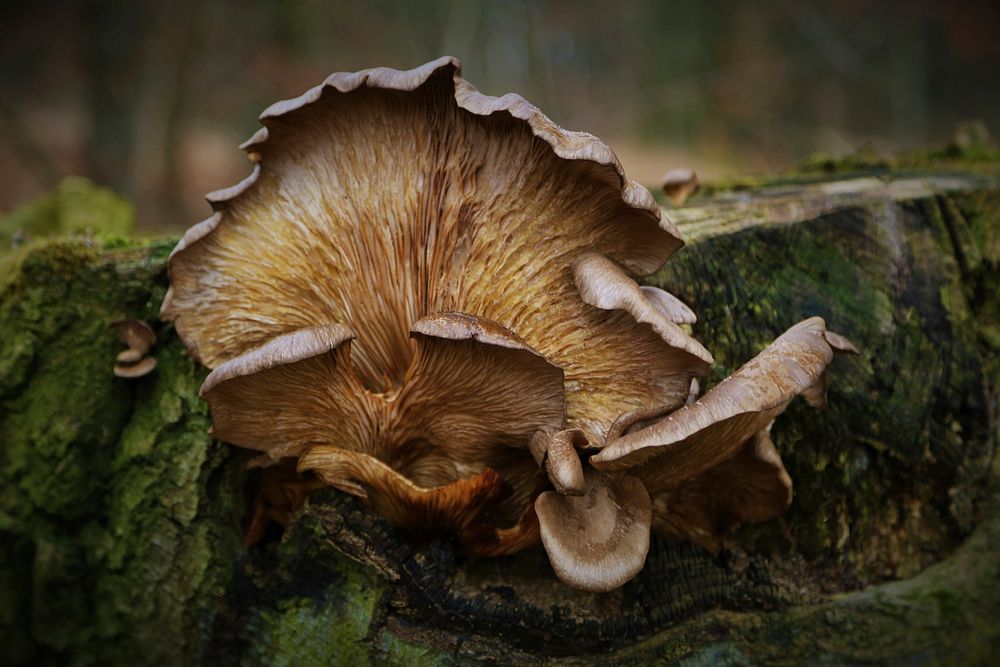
[(887, 478), (116, 508), (120, 538)]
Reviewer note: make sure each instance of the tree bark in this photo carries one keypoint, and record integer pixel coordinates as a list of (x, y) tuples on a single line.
[(120, 517)]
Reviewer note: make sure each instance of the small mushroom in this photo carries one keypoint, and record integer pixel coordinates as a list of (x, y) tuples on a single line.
[(129, 356), (753, 485), (138, 335), (604, 284), (599, 540), (679, 184), (140, 338), (135, 370)]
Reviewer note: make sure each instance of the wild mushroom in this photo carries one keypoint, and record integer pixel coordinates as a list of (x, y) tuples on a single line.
[(140, 338), (426, 296), (135, 370), (597, 541), (679, 184)]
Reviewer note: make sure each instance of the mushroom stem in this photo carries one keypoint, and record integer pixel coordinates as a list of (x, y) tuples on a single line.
[(562, 462)]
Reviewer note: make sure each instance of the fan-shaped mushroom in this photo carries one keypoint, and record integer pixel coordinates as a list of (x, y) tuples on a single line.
[(140, 338), (426, 296), (679, 184)]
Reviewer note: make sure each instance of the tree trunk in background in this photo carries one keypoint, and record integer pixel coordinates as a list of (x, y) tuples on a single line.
[(112, 55), (120, 517)]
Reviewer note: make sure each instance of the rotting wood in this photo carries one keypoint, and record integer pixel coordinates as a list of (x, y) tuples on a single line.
[(121, 517)]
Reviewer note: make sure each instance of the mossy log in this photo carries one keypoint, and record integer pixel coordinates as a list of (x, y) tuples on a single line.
[(121, 519)]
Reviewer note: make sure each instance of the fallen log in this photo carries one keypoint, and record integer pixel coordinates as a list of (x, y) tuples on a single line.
[(121, 518)]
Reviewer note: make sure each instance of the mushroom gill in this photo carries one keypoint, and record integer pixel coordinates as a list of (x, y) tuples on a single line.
[(426, 297)]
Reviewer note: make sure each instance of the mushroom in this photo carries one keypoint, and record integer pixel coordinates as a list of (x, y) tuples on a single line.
[(599, 540), (679, 184), (135, 370), (140, 338), (282, 491), (711, 464), (441, 317)]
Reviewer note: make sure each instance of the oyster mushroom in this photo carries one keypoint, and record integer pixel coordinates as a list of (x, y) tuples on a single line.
[(599, 540), (140, 338), (679, 184), (711, 464), (426, 297)]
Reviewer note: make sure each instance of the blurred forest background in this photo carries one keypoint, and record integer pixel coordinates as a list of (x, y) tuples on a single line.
[(152, 98)]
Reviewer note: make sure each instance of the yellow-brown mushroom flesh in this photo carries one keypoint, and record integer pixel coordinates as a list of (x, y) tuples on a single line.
[(418, 287)]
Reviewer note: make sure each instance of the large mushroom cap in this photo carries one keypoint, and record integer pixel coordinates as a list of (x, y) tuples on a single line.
[(383, 196)]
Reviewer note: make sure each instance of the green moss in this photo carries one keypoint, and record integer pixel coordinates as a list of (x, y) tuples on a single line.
[(391, 649), (331, 624), (119, 516), (303, 632), (979, 212), (864, 160), (77, 206), (966, 154), (116, 503)]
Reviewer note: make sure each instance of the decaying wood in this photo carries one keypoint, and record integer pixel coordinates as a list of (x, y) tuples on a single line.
[(121, 517)]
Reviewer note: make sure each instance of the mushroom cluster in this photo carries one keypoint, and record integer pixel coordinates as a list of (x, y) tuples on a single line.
[(426, 296), (139, 338)]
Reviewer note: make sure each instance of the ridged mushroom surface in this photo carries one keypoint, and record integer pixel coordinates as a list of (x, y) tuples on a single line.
[(427, 297)]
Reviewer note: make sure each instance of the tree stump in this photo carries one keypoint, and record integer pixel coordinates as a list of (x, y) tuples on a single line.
[(121, 519)]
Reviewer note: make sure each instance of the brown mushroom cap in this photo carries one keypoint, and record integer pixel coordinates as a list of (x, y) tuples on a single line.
[(475, 395), (603, 284), (482, 260), (666, 373), (699, 436), (711, 465), (679, 184), (138, 335), (443, 199), (296, 390), (597, 541), (135, 370), (473, 398)]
